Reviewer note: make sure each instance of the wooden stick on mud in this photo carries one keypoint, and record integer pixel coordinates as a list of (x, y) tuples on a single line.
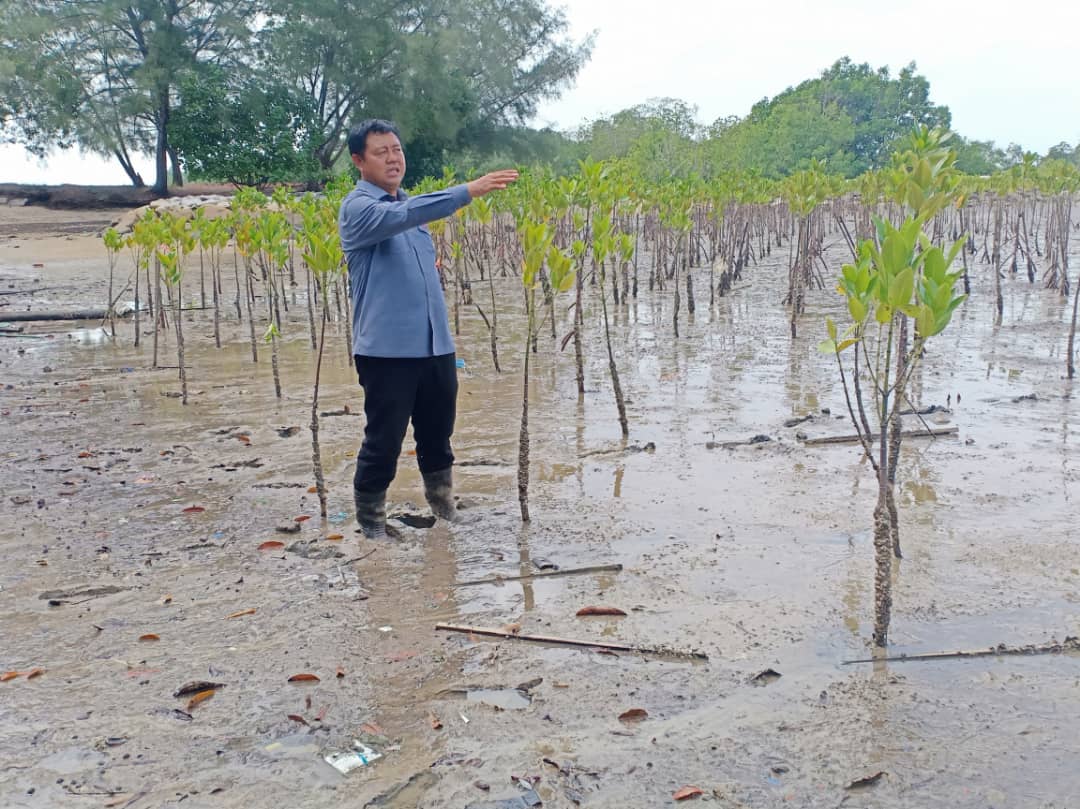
[(1070, 644), (586, 644), (78, 314), (544, 574), (854, 439)]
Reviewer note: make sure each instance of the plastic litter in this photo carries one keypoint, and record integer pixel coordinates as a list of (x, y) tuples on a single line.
[(348, 760)]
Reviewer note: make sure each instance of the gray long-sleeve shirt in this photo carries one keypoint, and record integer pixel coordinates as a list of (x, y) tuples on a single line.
[(398, 304)]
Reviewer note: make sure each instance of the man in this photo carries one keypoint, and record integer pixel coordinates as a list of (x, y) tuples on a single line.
[(402, 345)]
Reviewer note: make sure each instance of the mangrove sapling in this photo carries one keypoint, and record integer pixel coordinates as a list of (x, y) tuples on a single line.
[(114, 243), (321, 249), (804, 192), (246, 203), (481, 212), (898, 275), (536, 240), (138, 257), (175, 242), (213, 237), (604, 244), (272, 235)]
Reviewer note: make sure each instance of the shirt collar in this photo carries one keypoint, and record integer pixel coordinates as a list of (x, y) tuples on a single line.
[(373, 190)]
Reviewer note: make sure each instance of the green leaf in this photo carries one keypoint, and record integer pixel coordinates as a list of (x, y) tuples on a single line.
[(903, 284)]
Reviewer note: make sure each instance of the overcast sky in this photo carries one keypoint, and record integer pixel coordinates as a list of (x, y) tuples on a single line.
[(1010, 72)]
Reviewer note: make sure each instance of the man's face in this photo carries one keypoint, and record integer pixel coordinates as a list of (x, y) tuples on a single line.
[(383, 161)]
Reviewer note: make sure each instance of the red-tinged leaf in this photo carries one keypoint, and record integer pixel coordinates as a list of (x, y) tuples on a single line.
[(436, 723), (410, 452), (199, 698), (372, 728), (340, 672), (599, 611), (8, 675), (335, 537), (687, 792), (297, 718), (303, 678), (271, 544), (312, 489), (322, 713), (149, 636), (194, 510), (85, 454), (241, 614), (302, 518), (243, 439), (634, 715), (34, 673)]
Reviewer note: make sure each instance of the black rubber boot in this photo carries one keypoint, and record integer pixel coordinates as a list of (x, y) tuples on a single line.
[(371, 513), (439, 491)]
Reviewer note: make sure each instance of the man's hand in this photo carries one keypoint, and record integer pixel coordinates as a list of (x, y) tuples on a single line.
[(496, 181)]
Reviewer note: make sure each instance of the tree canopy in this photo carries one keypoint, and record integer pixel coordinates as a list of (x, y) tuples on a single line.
[(107, 74)]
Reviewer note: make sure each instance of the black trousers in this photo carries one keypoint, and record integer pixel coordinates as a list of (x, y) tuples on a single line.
[(423, 390)]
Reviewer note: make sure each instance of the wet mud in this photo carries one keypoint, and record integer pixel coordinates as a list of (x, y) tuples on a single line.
[(131, 526)]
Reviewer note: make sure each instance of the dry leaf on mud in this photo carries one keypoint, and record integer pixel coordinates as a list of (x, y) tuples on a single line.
[(196, 687), (34, 673), (372, 728), (512, 629), (297, 718), (312, 489), (634, 715), (599, 611), (335, 537), (8, 675), (149, 636), (322, 713), (241, 614), (303, 678), (194, 510), (302, 518), (340, 672), (201, 697), (271, 544), (687, 792), (868, 781), (436, 723)]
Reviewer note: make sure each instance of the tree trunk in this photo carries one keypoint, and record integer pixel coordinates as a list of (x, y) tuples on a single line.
[(129, 169), (161, 148), (177, 172)]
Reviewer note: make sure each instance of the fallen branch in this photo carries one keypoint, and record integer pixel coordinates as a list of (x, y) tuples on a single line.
[(1070, 644), (854, 439), (76, 314), (545, 574), (585, 644)]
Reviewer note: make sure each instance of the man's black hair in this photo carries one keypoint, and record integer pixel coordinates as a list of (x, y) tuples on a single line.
[(359, 133)]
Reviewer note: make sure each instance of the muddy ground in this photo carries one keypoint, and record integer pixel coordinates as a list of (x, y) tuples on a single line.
[(758, 556)]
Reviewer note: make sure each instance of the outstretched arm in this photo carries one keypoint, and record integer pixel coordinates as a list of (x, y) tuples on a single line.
[(365, 221)]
